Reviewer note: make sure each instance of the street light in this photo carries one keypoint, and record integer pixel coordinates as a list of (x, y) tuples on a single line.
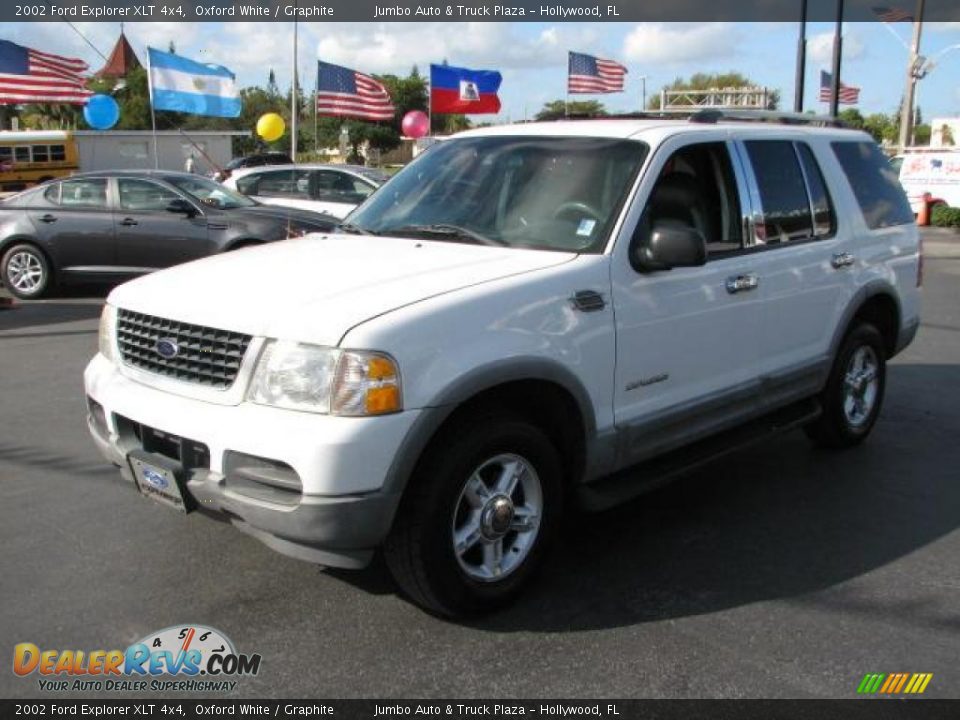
[(925, 66)]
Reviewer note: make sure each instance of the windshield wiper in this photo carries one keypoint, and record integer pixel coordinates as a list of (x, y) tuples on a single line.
[(354, 229), (445, 230)]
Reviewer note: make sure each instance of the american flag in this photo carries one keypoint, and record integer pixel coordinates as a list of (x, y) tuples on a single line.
[(588, 74), (31, 76), (344, 92), (848, 95), (892, 14)]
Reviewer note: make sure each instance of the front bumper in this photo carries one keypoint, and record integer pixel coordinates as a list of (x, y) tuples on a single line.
[(337, 516)]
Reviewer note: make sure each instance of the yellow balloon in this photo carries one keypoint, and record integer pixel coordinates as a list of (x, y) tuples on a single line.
[(270, 127)]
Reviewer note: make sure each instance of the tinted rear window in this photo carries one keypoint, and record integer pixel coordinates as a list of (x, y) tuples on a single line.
[(874, 183), (783, 192)]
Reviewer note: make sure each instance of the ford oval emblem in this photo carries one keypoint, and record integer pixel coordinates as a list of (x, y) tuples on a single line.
[(155, 479), (167, 348)]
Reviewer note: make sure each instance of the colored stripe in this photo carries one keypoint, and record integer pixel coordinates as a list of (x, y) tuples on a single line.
[(448, 78), (899, 686), (443, 100), (891, 679), (170, 61), (196, 104), (926, 681), (865, 683)]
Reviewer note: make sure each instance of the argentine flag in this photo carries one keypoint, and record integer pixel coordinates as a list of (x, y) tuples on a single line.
[(187, 86)]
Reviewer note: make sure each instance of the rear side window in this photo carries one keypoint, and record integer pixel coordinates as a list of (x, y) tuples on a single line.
[(82, 193), (874, 184), (783, 192), (823, 218)]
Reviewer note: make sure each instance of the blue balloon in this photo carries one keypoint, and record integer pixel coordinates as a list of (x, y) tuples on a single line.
[(101, 112)]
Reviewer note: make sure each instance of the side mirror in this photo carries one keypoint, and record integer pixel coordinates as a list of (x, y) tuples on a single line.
[(668, 246), (182, 207)]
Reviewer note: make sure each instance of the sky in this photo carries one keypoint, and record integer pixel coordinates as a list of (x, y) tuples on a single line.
[(533, 56)]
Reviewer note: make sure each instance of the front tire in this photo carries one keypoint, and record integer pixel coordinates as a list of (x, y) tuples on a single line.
[(477, 517), (26, 272), (854, 393)]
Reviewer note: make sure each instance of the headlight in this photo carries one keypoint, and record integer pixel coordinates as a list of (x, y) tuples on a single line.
[(108, 332), (326, 380)]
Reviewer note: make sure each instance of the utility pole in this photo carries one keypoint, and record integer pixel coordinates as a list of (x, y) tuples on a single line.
[(643, 103), (293, 99), (837, 58), (801, 59), (906, 112)]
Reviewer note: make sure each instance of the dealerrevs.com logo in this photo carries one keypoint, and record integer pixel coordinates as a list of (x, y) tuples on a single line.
[(186, 658)]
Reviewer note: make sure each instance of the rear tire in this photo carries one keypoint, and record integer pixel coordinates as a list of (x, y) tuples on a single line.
[(477, 517), (854, 393), (26, 272)]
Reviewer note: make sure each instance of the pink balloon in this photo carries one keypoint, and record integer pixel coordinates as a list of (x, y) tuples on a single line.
[(415, 124)]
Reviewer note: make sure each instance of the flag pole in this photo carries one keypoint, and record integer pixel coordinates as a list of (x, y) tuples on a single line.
[(153, 113), (837, 59), (801, 60), (293, 96)]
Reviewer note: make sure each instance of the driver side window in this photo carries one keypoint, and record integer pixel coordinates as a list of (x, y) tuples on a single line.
[(697, 189)]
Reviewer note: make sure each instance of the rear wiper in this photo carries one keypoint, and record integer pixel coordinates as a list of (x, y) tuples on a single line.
[(446, 230), (354, 229)]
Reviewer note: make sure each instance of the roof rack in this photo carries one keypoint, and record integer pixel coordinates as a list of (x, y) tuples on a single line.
[(709, 116)]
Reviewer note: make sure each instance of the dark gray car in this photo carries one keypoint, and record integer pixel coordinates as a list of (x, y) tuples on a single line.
[(115, 224)]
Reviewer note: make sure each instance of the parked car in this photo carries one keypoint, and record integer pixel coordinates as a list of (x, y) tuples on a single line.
[(100, 226), (930, 176), (250, 161), (525, 315), (333, 189)]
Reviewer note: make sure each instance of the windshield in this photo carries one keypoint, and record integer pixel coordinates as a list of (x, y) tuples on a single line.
[(209, 192), (551, 193)]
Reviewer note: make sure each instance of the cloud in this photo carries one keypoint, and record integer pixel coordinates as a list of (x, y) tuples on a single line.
[(820, 47), (680, 42), (395, 48)]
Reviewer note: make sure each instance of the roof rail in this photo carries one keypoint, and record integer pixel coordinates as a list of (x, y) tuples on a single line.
[(716, 115)]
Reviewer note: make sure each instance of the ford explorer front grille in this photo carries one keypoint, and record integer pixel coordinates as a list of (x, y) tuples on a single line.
[(191, 353)]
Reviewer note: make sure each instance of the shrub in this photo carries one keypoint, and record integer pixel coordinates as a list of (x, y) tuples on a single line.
[(945, 216)]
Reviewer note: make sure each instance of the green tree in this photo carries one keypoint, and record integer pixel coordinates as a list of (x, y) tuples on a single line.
[(852, 118), (558, 109), (881, 127)]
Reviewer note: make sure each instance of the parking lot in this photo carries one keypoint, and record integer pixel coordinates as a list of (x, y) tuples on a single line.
[(779, 572)]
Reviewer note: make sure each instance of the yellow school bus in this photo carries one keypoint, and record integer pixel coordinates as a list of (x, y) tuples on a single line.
[(33, 156)]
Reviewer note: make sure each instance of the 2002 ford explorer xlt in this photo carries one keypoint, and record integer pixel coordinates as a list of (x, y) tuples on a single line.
[(516, 317)]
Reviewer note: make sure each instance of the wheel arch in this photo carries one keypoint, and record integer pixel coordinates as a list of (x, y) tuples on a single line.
[(9, 242), (544, 392), (877, 304)]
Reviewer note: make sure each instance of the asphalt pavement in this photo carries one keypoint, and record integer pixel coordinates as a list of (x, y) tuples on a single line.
[(781, 571)]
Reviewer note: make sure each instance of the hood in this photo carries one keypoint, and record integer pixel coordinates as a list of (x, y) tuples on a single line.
[(316, 288), (282, 213)]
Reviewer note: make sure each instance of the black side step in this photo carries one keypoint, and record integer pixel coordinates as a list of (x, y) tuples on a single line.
[(631, 482)]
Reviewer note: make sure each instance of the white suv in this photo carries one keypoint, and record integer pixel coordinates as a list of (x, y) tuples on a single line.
[(520, 316)]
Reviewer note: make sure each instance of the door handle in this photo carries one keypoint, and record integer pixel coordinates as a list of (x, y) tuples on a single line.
[(48, 218), (128, 222), (842, 260), (742, 283)]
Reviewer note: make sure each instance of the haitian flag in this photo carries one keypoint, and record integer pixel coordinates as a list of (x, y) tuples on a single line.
[(459, 90)]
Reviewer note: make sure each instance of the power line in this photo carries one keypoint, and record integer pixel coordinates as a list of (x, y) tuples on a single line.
[(84, 37)]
